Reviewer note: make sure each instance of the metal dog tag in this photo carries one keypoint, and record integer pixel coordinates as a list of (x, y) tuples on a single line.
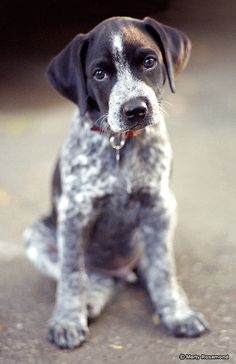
[(117, 143)]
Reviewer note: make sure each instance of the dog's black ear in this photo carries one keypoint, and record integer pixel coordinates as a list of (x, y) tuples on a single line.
[(66, 72), (175, 47)]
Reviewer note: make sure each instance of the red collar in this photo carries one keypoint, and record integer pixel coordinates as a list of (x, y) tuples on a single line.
[(127, 134)]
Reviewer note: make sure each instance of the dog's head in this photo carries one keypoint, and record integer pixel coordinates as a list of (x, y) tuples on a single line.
[(116, 72)]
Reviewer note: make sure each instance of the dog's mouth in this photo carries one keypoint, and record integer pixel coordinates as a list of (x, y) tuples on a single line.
[(139, 126)]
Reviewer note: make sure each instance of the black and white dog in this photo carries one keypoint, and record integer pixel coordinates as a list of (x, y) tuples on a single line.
[(113, 210)]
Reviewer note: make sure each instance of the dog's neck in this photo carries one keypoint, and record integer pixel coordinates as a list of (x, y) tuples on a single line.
[(118, 140)]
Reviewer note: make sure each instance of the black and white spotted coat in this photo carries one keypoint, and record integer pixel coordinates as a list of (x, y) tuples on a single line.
[(108, 218)]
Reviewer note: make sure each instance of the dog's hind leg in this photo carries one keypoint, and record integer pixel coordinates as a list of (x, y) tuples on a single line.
[(101, 289), (41, 247)]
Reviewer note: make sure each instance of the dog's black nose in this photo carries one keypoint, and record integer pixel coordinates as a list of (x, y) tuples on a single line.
[(135, 109)]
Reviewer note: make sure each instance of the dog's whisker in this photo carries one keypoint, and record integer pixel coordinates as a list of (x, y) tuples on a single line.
[(100, 119), (167, 103), (162, 110), (102, 123)]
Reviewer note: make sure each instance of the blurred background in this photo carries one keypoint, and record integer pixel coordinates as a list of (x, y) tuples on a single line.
[(34, 120)]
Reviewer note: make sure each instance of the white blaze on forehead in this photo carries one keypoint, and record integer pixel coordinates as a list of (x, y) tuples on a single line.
[(117, 43)]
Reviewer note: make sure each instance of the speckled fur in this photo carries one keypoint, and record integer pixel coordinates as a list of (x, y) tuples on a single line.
[(105, 214)]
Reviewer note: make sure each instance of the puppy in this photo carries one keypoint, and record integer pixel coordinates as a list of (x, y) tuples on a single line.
[(112, 208)]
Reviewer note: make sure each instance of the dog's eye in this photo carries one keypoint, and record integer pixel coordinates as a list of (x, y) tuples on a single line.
[(99, 74), (149, 62)]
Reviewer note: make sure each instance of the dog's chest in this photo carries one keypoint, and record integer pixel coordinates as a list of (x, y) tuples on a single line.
[(92, 175), (95, 168)]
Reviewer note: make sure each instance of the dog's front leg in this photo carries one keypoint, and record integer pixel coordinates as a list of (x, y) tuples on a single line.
[(68, 325), (158, 271)]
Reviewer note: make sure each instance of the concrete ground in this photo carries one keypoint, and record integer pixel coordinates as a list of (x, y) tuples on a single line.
[(201, 122)]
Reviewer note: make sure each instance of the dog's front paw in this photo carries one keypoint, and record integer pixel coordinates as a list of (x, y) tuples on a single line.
[(67, 332), (192, 325)]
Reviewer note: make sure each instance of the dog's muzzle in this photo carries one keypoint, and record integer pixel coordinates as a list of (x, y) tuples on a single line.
[(135, 111)]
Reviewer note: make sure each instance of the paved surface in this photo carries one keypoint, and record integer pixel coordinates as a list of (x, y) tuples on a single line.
[(201, 121)]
